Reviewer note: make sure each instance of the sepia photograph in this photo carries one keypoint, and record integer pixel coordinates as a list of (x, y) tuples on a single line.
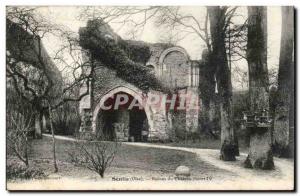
[(150, 98)]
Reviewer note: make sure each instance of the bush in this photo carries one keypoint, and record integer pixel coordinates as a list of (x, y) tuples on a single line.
[(96, 156), (66, 119), (179, 124), (19, 171), (19, 126), (241, 103)]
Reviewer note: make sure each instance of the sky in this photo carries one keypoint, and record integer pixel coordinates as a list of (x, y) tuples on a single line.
[(68, 16)]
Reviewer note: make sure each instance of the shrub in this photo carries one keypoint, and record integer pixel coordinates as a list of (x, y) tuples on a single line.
[(96, 156), (19, 171), (66, 119), (240, 104), (19, 125)]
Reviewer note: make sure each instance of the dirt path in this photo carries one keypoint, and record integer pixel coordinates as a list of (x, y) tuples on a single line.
[(280, 178)]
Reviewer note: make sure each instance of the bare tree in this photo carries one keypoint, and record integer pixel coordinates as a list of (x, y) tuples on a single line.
[(260, 152), (27, 63), (134, 17), (283, 125), (217, 24), (171, 17), (18, 130), (96, 156), (33, 73), (215, 64)]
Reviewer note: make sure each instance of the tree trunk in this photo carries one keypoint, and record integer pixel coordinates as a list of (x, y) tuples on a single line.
[(236, 144), (217, 24), (26, 152), (282, 124), (53, 139), (46, 123), (292, 113), (38, 125), (206, 90), (260, 152)]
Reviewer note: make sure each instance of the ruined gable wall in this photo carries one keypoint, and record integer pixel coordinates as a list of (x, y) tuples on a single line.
[(176, 70), (178, 73)]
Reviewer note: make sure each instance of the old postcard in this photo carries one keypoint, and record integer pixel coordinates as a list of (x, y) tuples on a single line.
[(139, 98)]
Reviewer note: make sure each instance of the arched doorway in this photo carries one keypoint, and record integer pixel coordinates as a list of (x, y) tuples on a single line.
[(113, 118)]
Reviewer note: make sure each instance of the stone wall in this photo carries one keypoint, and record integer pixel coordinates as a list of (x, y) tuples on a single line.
[(175, 70), (160, 129), (192, 112), (106, 82), (172, 66)]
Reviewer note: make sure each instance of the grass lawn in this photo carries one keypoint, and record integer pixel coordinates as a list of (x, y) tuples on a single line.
[(207, 143), (129, 161), (146, 162)]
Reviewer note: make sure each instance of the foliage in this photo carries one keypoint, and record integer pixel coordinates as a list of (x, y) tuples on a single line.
[(105, 47), (178, 124), (32, 71), (18, 171), (28, 65), (137, 51), (19, 122), (17, 136), (14, 101), (240, 104), (207, 83), (95, 156), (66, 119)]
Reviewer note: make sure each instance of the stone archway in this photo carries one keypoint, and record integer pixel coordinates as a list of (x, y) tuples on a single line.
[(132, 91), (167, 51)]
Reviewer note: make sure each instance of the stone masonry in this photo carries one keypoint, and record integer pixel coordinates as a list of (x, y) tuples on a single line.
[(170, 65)]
